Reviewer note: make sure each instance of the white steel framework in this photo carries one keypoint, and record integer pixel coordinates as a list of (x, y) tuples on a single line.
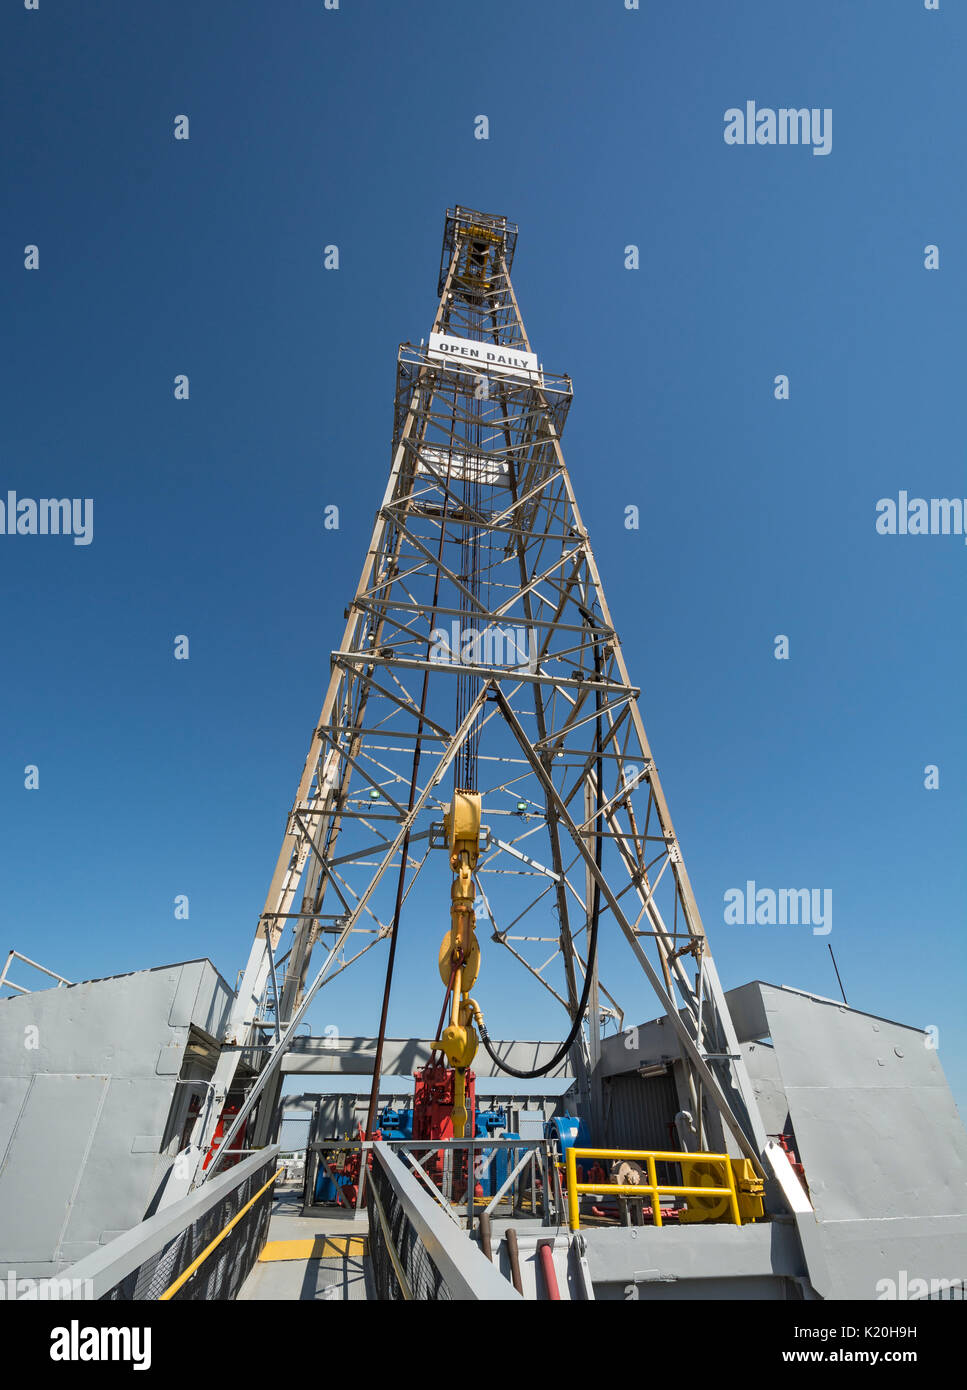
[(479, 651)]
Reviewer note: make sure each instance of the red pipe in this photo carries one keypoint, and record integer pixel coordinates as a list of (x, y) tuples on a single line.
[(544, 1251), (612, 1213)]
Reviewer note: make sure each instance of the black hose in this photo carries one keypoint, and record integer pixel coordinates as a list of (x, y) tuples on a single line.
[(565, 1046)]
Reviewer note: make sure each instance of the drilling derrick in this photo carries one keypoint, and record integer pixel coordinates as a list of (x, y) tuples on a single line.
[(479, 707), (479, 794)]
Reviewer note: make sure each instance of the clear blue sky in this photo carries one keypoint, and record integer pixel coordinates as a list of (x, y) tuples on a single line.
[(355, 127)]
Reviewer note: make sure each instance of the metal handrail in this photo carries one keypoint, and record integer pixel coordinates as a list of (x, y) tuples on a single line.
[(653, 1188), (22, 989), (536, 1152), (213, 1245), (465, 1270), (111, 1263)]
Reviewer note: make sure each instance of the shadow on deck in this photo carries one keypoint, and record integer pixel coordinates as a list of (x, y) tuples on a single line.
[(310, 1257)]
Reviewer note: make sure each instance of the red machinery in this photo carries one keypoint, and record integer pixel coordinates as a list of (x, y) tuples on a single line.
[(433, 1104), (225, 1122), (433, 1100), (348, 1191)]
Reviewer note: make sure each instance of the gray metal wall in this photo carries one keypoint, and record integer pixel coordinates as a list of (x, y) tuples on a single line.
[(884, 1150), (88, 1087), (638, 1111), (871, 1117)]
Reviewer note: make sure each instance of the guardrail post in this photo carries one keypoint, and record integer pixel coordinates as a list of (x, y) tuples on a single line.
[(574, 1217), (733, 1197), (653, 1181), (653, 1186)]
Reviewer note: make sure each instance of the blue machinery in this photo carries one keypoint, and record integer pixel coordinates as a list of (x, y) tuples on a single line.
[(566, 1130)]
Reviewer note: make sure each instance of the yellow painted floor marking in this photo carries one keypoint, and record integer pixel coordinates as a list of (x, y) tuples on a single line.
[(315, 1248)]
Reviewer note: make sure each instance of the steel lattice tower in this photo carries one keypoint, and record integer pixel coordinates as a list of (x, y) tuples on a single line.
[(479, 645)]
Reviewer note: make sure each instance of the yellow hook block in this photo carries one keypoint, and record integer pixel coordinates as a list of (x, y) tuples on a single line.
[(461, 822), (471, 957)]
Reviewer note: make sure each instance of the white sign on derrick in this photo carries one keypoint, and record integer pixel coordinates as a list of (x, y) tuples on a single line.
[(484, 357)]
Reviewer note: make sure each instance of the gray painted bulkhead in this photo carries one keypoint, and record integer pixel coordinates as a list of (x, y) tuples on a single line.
[(867, 1109), (91, 1109), (706, 1260)]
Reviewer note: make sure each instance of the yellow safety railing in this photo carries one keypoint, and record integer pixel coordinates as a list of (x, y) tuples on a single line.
[(195, 1264), (653, 1187)]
